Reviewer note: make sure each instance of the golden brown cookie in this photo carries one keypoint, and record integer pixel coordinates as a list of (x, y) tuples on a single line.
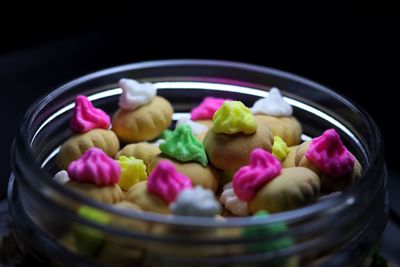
[(290, 160), (229, 152), (207, 177), (143, 123), (287, 128), (293, 188), (76, 145), (144, 151), (147, 201), (328, 183), (106, 194)]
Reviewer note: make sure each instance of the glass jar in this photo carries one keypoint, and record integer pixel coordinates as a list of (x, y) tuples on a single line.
[(341, 230)]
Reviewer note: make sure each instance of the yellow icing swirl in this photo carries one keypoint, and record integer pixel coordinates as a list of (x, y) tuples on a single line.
[(279, 148), (234, 117), (132, 171)]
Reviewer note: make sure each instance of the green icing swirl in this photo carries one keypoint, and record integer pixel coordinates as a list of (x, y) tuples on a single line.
[(184, 146), (165, 134), (88, 240), (268, 245)]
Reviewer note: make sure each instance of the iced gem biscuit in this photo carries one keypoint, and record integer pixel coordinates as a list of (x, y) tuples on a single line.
[(91, 130), (188, 156), (86, 117), (162, 188), (329, 158), (206, 177), (196, 202), (232, 203), (277, 113), (183, 146), (266, 186), (132, 171), (234, 135), (262, 169), (96, 175), (143, 150), (142, 115)]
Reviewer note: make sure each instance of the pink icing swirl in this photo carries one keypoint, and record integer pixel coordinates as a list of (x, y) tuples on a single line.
[(95, 167), (329, 155), (166, 182), (86, 117), (207, 108), (262, 169)]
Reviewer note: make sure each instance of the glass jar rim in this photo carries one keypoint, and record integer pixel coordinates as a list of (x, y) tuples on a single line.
[(22, 146)]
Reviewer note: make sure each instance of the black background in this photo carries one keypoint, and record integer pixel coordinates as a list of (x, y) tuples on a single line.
[(356, 54)]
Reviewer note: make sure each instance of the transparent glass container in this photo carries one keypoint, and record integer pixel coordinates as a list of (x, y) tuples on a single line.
[(338, 231)]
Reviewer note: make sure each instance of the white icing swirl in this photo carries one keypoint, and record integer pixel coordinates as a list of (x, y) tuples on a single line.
[(61, 177), (273, 105), (135, 94), (196, 202), (232, 203), (197, 128)]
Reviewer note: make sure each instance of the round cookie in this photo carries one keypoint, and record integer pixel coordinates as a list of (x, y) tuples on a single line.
[(78, 144), (207, 177), (231, 151), (287, 128), (290, 160), (107, 194), (293, 188), (144, 123), (328, 183), (147, 201), (144, 151)]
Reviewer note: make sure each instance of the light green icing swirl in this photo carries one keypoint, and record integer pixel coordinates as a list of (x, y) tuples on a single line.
[(184, 146)]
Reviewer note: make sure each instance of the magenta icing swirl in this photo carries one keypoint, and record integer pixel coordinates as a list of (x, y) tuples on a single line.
[(262, 169), (329, 155), (207, 108), (86, 117), (166, 182), (95, 167)]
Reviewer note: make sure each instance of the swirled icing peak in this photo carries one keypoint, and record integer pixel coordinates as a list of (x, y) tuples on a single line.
[(165, 134), (183, 146), (61, 177), (197, 128), (166, 182), (329, 155), (207, 108), (95, 167), (273, 105), (234, 117), (135, 94), (132, 171), (279, 148), (196, 202), (86, 117), (262, 169), (232, 203)]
